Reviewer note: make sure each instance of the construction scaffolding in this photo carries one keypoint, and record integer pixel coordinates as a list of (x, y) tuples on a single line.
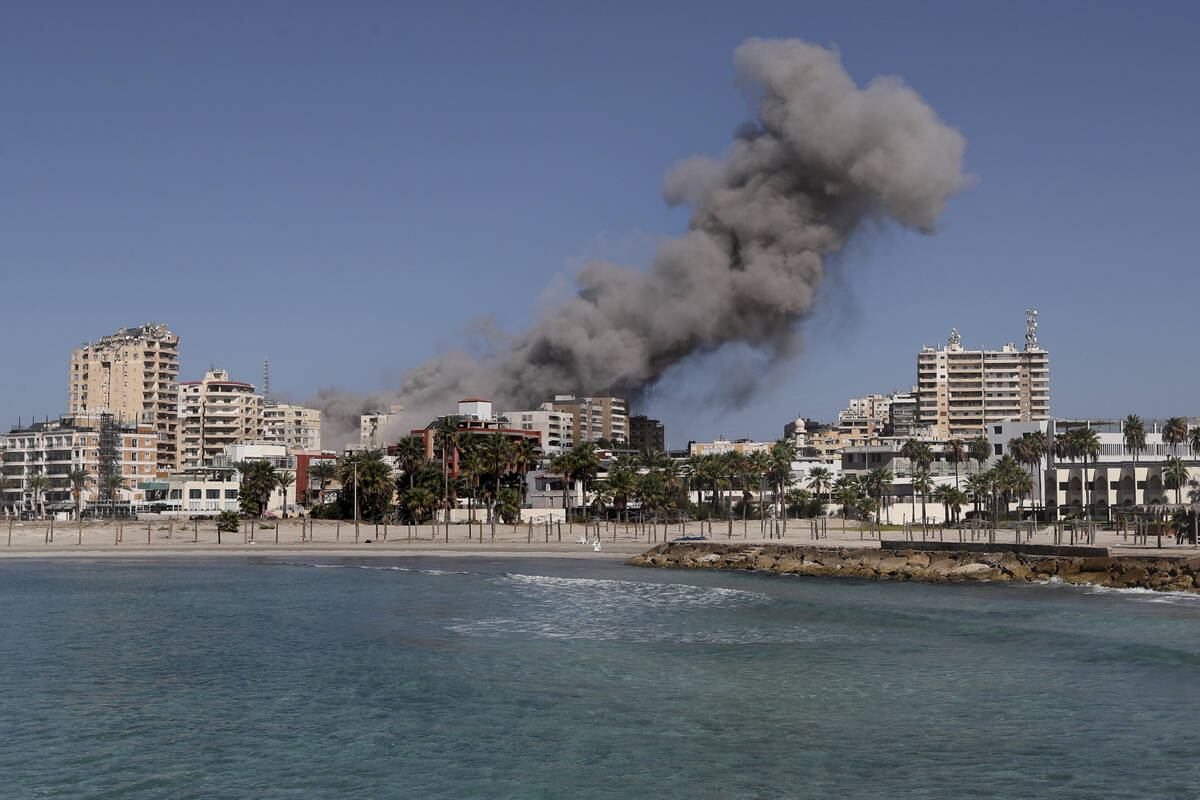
[(109, 457)]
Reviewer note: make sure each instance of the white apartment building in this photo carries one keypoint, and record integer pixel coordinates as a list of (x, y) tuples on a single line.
[(217, 412), (55, 448), (375, 429), (1115, 480), (595, 417), (296, 427), (555, 427), (960, 392), (134, 375)]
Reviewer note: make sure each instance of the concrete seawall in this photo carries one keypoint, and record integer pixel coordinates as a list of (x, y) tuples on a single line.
[(1176, 574)]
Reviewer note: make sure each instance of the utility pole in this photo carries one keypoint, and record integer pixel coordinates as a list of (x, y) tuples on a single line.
[(355, 501)]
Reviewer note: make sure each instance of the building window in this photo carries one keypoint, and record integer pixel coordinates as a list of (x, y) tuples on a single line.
[(176, 494), (212, 494), (1062, 486), (998, 447), (231, 494), (193, 494)]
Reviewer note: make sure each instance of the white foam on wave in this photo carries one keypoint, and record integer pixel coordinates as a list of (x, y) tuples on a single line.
[(376, 568), (1131, 592), (595, 609)]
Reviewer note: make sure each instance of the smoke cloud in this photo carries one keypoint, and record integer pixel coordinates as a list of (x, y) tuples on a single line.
[(821, 158)]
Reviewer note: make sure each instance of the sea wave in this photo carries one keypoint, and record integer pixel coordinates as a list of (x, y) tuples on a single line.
[(374, 568), (550, 607)]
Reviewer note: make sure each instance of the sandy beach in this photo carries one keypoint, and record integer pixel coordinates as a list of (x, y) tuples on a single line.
[(181, 538)]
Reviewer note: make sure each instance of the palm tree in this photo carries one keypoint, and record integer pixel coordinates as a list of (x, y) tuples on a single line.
[(923, 483), (323, 470), (819, 480), (782, 454), (1175, 471), (470, 466), (38, 483), (109, 486), (283, 480), (447, 436), (497, 450), (1021, 485), (1038, 448), (525, 456), (562, 466), (585, 465), (1133, 431), (879, 481), (980, 450), (1086, 443), (78, 478), (978, 487), (622, 484), (845, 492), (944, 494), (1194, 440), (956, 452), (1175, 432), (410, 457)]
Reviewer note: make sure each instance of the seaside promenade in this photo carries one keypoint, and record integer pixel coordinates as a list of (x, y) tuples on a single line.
[(163, 537)]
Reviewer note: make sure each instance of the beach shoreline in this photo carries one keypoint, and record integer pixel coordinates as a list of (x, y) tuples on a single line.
[(154, 538)]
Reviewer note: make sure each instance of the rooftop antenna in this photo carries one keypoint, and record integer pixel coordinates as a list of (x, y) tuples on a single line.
[(1031, 326), (266, 379)]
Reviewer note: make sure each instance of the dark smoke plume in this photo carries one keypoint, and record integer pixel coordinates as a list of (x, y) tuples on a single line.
[(822, 158)]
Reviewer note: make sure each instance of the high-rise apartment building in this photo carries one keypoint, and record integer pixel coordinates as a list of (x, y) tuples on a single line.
[(217, 413), (960, 392), (132, 374), (595, 417), (553, 426), (295, 426)]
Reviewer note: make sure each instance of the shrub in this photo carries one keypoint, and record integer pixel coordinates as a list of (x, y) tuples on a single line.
[(227, 521)]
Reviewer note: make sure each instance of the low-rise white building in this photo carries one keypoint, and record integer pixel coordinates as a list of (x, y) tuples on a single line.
[(553, 425)]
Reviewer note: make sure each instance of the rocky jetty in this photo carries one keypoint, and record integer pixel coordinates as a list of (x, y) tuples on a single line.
[(1173, 574)]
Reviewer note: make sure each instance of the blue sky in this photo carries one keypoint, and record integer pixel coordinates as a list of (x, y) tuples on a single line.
[(347, 187)]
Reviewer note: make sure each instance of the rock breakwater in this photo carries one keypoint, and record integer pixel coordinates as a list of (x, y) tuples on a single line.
[(1175, 574)]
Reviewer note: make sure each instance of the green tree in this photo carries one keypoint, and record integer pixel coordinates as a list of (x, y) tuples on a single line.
[(525, 457), (283, 480), (1175, 472), (447, 435), (956, 453), (1175, 433), (365, 475), (783, 454), (819, 480), (323, 471), (78, 478), (923, 483), (1133, 432), (980, 450), (1085, 442), (410, 457), (497, 451), (879, 483), (38, 483), (584, 466)]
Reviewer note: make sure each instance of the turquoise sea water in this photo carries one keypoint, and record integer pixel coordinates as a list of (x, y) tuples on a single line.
[(539, 679)]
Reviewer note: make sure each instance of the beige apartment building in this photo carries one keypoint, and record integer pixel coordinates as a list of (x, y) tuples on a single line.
[(93, 443), (960, 392), (297, 427), (595, 417), (132, 374), (217, 412)]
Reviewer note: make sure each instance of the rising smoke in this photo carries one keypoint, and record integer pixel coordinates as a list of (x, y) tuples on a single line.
[(822, 158)]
